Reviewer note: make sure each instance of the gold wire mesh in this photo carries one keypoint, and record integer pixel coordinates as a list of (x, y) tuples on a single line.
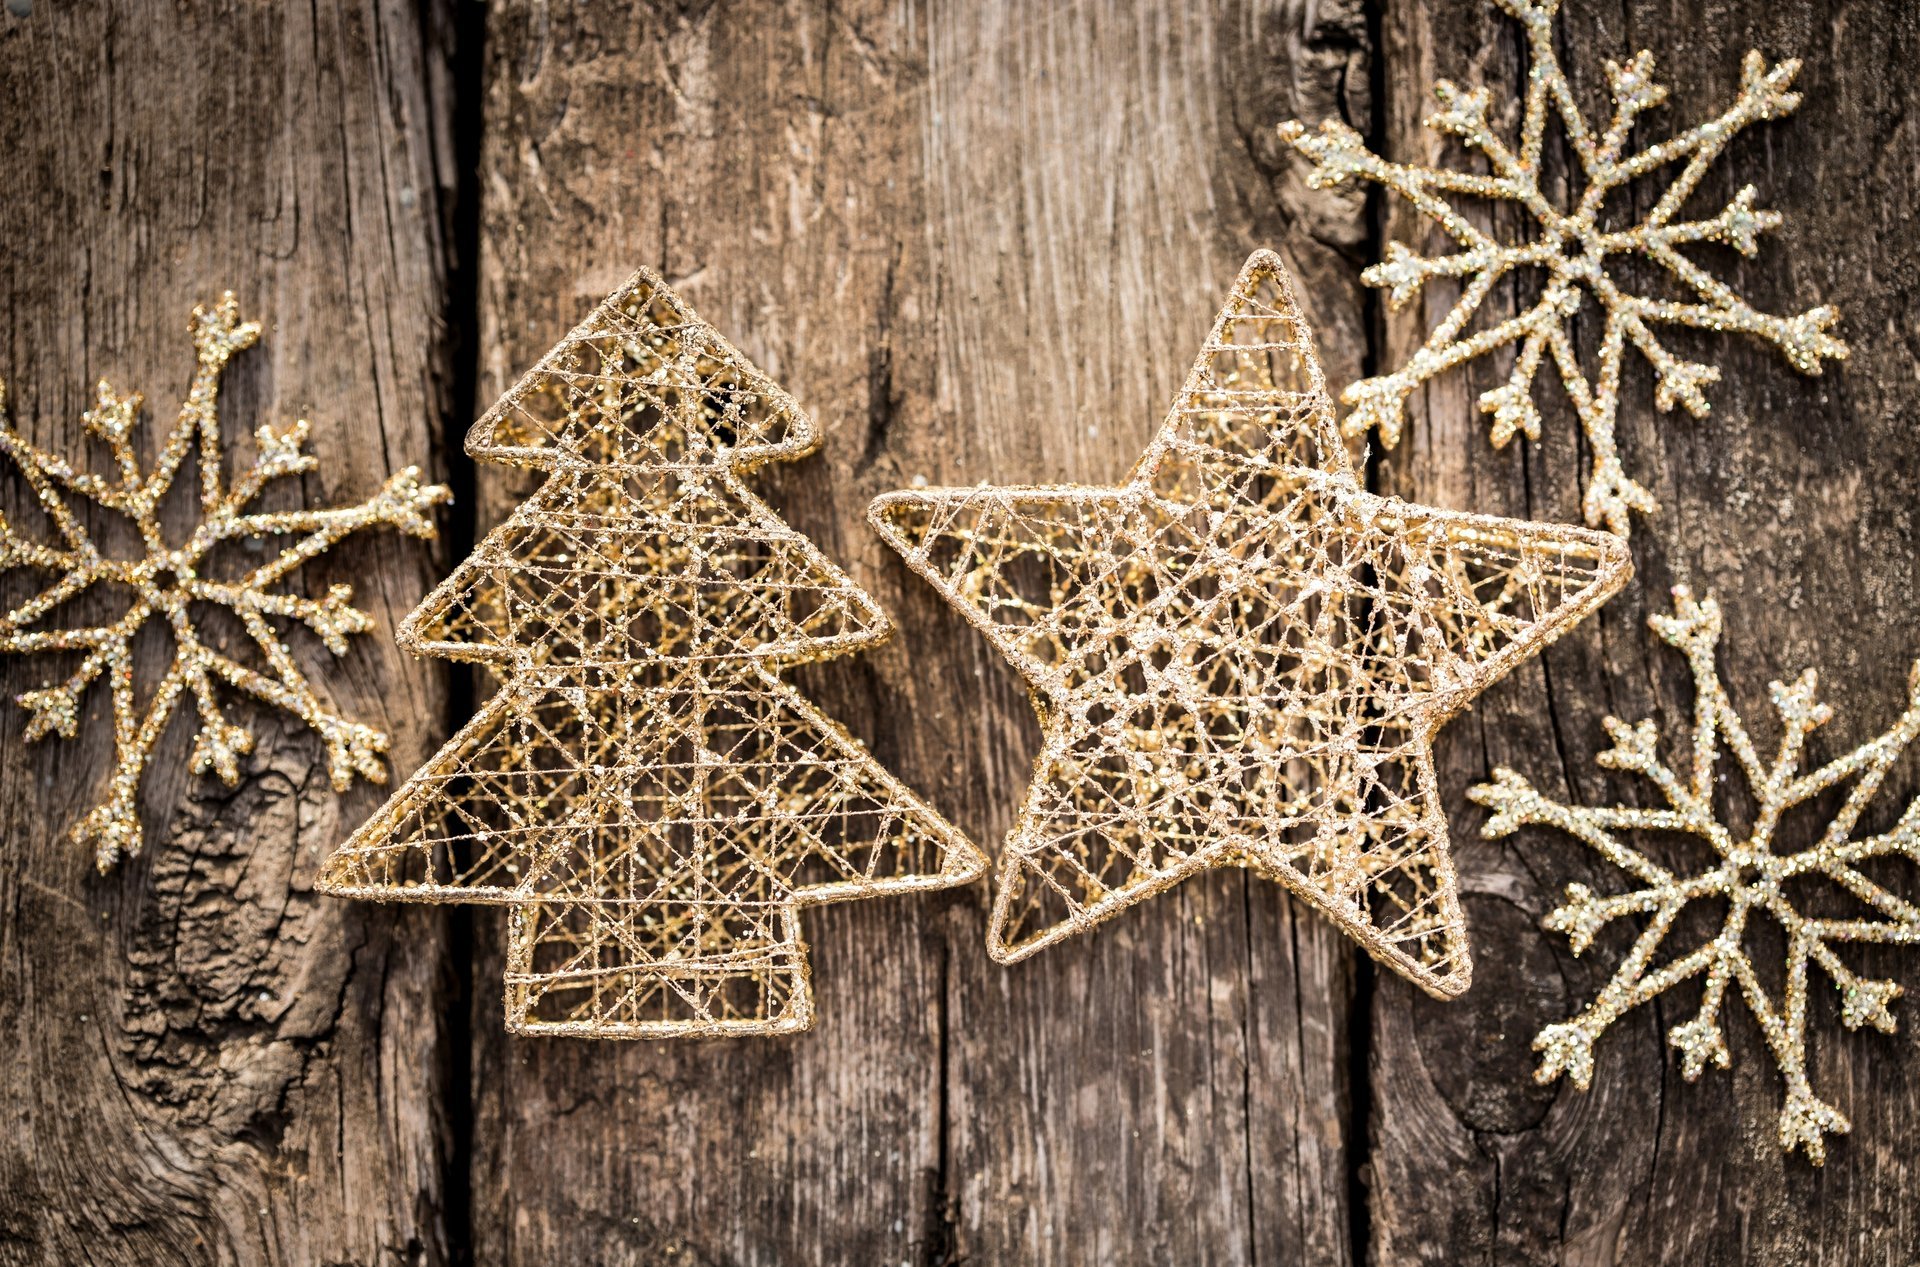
[(1240, 656), (644, 791)]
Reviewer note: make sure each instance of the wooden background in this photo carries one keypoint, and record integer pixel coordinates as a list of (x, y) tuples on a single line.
[(979, 239)]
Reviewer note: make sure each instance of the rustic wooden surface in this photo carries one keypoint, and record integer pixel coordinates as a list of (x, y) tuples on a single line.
[(979, 240), (204, 1060)]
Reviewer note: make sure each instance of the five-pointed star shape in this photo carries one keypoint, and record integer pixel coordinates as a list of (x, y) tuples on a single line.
[(1240, 656)]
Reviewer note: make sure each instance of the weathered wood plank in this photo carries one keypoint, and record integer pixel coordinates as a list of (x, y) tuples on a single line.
[(1794, 503), (979, 242), (206, 1062), (1097, 173), (732, 149)]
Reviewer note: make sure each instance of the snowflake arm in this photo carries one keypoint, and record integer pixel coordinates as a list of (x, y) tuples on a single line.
[(1340, 153), (1573, 248), (1764, 96), (333, 619), (166, 582), (1746, 872), (51, 474), (277, 454), (352, 748)]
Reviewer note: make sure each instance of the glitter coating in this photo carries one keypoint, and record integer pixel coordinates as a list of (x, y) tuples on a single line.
[(1573, 247), (167, 581), (1240, 656), (1754, 880), (650, 799)]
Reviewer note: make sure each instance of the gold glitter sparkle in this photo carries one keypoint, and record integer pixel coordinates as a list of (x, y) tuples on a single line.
[(648, 797), (167, 581), (1240, 656), (1573, 246), (1747, 874)]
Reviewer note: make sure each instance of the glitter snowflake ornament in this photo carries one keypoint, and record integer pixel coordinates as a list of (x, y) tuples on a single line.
[(1746, 872), (1240, 656), (1574, 247), (166, 582)]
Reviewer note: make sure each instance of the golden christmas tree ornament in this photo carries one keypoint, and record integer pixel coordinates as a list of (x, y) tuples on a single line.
[(1240, 656), (165, 581), (1573, 245), (1744, 869), (652, 801)]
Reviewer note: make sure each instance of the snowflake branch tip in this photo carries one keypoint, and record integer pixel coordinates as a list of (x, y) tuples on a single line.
[(1337, 151), (1581, 918), (1633, 87), (404, 499), (1403, 273), (1512, 800), (1635, 748), (1566, 1051), (1766, 90), (218, 747), (1866, 1002), (1806, 1121), (279, 453), (1379, 406), (218, 331), (1798, 704), (1694, 625), (113, 415), (1462, 113), (353, 750), (335, 618), (54, 711), (1805, 340), (1700, 1042), (112, 831), (1513, 412)]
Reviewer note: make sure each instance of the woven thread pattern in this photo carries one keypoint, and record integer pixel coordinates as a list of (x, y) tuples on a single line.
[(1239, 656), (649, 797)]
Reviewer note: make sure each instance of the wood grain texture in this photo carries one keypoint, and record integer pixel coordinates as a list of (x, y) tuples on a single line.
[(979, 240), (205, 1061), (1794, 503)]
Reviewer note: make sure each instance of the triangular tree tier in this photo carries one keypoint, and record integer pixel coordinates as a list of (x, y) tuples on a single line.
[(607, 566)]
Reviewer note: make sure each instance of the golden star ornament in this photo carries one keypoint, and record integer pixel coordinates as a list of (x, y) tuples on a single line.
[(1240, 656)]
